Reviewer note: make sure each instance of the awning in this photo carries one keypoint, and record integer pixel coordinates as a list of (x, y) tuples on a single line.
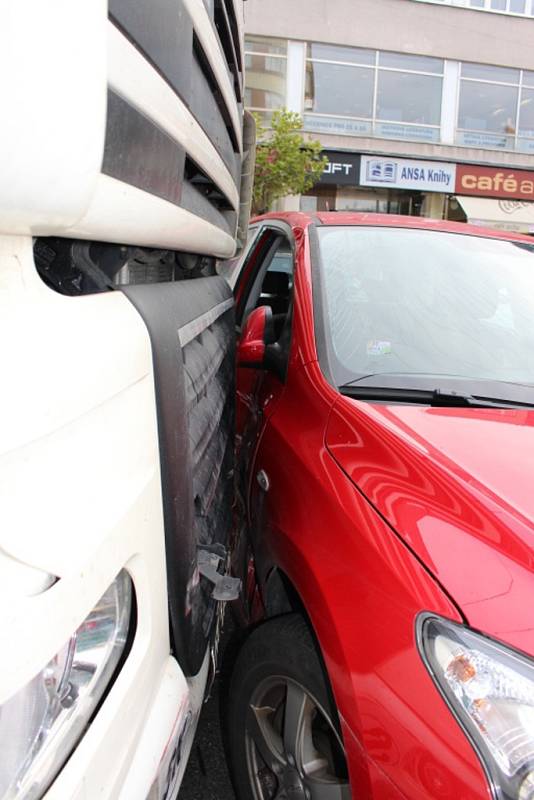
[(505, 215)]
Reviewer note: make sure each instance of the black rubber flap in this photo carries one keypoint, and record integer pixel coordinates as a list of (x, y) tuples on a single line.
[(191, 326)]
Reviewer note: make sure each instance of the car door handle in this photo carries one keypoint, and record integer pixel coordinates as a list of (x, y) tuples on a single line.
[(263, 480)]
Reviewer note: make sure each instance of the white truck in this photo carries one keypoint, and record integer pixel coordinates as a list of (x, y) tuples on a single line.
[(124, 173)]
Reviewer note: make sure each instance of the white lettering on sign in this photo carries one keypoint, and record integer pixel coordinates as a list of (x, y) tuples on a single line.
[(401, 173), (334, 167)]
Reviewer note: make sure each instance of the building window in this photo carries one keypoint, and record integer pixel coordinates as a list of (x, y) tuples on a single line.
[(406, 96), (513, 6), (340, 80), (342, 54), (496, 108), (520, 7), (265, 74), (364, 92), (360, 92)]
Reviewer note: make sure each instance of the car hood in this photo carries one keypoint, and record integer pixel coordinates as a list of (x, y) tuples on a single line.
[(457, 484)]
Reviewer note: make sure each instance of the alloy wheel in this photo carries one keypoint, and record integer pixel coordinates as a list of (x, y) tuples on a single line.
[(293, 749)]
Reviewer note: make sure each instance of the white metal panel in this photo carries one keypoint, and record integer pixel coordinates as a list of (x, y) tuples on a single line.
[(120, 212), (238, 7), (163, 715), (212, 48), (239, 11), (53, 90), (20, 580), (80, 497), (77, 382), (135, 79)]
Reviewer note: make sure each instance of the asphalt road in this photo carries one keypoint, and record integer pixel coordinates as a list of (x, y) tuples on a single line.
[(206, 777)]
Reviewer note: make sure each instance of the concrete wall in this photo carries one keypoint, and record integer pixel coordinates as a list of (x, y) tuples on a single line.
[(436, 152), (399, 25)]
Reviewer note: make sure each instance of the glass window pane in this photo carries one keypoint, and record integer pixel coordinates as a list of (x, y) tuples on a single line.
[(526, 113), (498, 5), (517, 6), (261, 44), (528, 77), (402, 61), (260, 98), (405, 97), (259, 63), (308, 204), (477, 3), (351, 199), (487, 107), (486, 72), (436, 303), (332, 52), (265, 83), (337, 89)]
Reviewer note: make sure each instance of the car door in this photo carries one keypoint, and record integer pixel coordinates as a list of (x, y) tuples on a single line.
[(266, 279)]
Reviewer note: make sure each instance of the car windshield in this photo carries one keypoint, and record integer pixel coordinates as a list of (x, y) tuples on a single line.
[(405, 303)]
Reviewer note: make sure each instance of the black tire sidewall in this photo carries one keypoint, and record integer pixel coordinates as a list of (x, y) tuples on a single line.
[(281, 647)]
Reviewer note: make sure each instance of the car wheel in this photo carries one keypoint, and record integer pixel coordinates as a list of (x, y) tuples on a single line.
[(282, 726)]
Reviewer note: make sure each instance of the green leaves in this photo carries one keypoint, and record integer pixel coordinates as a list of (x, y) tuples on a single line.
[(286, 163)]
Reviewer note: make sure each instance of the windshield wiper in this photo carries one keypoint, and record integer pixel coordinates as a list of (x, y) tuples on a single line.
[(429, 397)]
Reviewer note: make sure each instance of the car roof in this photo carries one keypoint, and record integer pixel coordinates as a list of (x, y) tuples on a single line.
[(298, 219)]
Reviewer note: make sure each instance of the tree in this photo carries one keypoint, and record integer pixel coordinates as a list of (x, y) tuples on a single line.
[(286, 163)]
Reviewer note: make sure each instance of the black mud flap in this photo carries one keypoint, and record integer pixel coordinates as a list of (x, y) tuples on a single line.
[(191, 326)]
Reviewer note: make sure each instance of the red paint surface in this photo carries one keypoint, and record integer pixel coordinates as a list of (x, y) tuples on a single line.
[(376, 513), (300, 221), (494, 182), (251, 347), (456, 484)]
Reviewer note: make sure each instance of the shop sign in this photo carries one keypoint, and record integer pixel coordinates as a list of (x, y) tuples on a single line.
[(394, 130), (403, 173), (489, 140), (342, 168), (348, 127), (494, 182)]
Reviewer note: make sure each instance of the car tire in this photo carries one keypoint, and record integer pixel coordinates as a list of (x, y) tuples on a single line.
[(282, 727)]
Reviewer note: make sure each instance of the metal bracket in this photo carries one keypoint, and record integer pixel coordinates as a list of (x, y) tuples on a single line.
[(263, 480), (225, 587)]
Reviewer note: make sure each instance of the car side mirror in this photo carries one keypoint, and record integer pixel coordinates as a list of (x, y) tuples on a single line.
[(258, 332)]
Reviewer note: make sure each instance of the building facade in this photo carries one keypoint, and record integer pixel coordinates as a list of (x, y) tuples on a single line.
[(423, 107)]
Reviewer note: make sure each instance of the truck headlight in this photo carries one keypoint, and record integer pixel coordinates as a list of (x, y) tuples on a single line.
[(490, 689), (41, 724)]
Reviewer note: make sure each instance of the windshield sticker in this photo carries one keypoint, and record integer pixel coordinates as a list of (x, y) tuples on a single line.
[(378, 347)]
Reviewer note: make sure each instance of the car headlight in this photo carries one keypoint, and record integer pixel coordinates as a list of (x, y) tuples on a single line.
[(490, 689), (41, 724)]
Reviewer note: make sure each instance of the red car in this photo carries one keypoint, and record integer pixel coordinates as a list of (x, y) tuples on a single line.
[(386, 435)]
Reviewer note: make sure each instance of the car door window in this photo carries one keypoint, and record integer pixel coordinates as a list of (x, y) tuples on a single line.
[(271, 284), (278, 281)]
